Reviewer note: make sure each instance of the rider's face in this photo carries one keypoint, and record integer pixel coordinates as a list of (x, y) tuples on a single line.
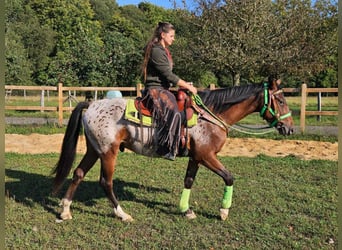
[(168, 37)]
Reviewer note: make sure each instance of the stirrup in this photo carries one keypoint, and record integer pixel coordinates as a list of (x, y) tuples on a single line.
[(169, 156)]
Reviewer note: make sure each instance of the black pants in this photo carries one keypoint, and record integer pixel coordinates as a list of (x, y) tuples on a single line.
[(167, 119)]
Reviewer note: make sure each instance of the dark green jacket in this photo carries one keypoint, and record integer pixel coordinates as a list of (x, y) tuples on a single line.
[(159, 69)]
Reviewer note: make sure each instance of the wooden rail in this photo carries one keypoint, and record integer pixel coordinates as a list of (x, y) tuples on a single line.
[(303, 112), (60, 90), (137, 89)]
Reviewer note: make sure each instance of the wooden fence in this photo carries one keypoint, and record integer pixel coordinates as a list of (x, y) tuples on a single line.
[(60, 89), (304, 112)]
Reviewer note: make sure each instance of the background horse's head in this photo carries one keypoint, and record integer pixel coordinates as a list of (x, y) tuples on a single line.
[(275, 110)]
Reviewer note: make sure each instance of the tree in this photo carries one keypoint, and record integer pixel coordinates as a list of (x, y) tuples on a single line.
[(231, 35), (122, 66), (78, 47), (18, 67), (97, 42), (253, 39), (306, 37), (104, 10)]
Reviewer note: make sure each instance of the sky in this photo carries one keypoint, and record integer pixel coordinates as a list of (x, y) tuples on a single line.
[(167, 4)]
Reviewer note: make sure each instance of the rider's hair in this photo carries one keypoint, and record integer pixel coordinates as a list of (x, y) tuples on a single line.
[(162, 27)]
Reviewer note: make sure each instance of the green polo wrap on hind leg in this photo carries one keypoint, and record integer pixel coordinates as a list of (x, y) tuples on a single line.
[(184, 201), (227, 197)]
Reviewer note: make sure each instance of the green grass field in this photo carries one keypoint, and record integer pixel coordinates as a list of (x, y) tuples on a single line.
[(278, 203)]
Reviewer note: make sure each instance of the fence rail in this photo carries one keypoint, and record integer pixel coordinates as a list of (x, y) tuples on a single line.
[(60, 89), (303, 112)]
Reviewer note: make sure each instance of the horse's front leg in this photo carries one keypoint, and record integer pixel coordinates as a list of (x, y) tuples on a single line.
[(188, 181), (216, 166)]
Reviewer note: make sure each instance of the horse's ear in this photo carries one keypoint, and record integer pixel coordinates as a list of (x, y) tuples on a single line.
[(274, 81)]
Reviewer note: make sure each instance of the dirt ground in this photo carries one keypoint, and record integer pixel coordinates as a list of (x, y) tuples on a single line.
[(306, 150)]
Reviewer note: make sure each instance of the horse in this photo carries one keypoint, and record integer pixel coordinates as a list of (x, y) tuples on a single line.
[(107, 132)]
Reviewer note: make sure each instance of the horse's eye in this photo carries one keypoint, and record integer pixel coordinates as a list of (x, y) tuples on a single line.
[(280, 100)]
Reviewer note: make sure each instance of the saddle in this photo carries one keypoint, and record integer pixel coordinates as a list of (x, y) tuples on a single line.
[(185, 105)]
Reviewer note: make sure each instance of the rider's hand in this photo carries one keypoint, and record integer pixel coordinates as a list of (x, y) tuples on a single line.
[(191, 88)]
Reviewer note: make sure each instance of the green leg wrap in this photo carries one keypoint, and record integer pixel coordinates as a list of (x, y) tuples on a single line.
[(227, 197), (184, 201)]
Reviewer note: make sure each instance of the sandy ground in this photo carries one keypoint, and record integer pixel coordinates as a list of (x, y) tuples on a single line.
[(306, 150)]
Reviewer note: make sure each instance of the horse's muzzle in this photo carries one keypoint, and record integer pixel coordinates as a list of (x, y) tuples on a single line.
[(284, 130)]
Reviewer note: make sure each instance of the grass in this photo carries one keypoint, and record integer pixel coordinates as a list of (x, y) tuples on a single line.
[(39, 129), (278, 203)]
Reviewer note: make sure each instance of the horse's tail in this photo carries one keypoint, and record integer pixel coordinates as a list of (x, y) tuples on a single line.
[(68, 152)]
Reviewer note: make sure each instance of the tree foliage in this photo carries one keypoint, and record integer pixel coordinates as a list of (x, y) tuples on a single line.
[(98, 43)]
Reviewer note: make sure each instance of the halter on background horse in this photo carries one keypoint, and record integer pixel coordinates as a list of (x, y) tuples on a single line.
[(106, 131)]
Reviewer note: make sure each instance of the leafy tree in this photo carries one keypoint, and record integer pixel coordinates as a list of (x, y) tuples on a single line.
[(78, 43), (39, 42), (123, 59), (304, 38), (327, 12), (104, 10), (96, 42), (253, 39), (231, 35), (18, 67)]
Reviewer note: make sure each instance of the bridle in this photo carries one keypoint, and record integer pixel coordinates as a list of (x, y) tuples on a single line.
[(269, 97)]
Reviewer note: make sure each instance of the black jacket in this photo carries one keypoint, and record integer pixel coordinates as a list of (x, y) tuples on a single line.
[(159, 69)]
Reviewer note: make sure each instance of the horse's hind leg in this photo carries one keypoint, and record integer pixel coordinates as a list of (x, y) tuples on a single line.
[(84, 166), (108, 161)]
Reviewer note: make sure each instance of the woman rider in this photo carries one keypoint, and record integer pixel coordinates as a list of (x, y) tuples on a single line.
[(158, 77)]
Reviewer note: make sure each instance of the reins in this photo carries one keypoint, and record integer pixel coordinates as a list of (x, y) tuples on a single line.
[(197, 99)]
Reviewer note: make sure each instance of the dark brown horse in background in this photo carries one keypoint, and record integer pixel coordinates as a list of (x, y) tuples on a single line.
[(107, 131)]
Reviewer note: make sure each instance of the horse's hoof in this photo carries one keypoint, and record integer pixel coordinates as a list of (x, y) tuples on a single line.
[(127, 219), (224, 213), (121, 214), (190, 215), (65, 216)]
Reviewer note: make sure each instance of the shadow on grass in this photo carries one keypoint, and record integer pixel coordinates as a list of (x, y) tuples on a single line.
[(30, 189)]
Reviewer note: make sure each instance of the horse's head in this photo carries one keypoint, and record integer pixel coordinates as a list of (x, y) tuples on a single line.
[(275, 110)]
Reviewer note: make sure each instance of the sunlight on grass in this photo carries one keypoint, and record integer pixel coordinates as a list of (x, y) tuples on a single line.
[(278, 203)]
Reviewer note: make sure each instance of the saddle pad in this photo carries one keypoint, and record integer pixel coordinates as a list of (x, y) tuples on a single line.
[(132, 114)]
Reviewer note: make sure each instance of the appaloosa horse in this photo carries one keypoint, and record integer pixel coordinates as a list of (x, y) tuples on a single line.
[(107, 131)]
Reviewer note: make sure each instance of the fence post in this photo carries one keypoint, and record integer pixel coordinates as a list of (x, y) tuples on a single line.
[(212, 86), (139, 88), (303, 108), (60, 104), (319, 105), (42, 104)]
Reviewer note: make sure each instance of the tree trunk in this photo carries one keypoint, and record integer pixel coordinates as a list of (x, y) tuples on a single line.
[(236, 79)]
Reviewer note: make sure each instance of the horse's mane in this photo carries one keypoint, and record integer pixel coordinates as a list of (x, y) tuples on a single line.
[(221, 99)]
